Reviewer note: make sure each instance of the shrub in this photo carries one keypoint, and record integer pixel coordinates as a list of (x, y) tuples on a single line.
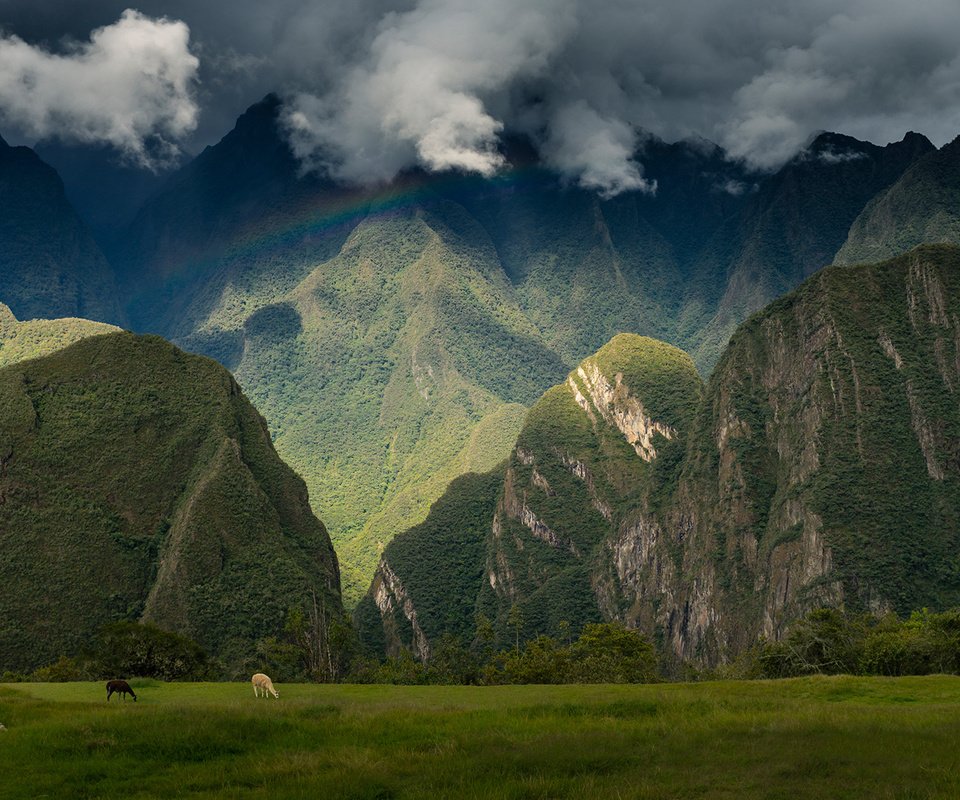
[(145, 650), (608, 652), (64, 669)]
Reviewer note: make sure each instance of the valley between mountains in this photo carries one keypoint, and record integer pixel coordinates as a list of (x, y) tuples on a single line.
[(509, 400)]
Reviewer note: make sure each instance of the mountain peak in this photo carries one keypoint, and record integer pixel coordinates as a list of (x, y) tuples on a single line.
[(834, 148)]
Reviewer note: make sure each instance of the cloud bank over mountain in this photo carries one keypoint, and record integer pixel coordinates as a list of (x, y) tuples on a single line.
[(130, 86), (379, 85)]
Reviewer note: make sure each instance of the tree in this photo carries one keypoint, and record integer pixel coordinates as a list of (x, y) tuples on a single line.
[(319, 637), (515, 620), (608, 652), (145, 650)]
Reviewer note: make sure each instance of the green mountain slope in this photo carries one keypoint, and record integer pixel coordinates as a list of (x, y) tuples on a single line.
[(390, 370), (822, 466), (49, 264), (923, 207), (39, 337), (137, 482), (593, 453), (394, 337)]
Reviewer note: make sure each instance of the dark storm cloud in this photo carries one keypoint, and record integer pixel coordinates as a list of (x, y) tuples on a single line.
[(377, 85)]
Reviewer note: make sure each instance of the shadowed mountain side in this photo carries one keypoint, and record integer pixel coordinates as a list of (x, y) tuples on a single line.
[(790, 228), (49, 264), (137, 482), (923, 207)]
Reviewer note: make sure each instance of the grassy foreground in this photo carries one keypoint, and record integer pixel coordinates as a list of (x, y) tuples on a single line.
[(804, 738)]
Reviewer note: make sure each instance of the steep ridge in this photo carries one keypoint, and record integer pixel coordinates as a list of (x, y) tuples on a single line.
[(594, 452), (822, 466), (922, 207), (49, 264), (788, 229), (137, 482), (39, 337)]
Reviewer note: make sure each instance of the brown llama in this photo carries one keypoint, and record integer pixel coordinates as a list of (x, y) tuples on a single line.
[(122, 688)]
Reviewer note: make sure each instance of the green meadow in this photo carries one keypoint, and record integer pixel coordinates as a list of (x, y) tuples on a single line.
[(823, 737)]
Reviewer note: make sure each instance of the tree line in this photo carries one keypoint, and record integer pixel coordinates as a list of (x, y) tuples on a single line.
[(313, 648)]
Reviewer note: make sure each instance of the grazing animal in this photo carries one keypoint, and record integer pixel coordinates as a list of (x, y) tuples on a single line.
[(263, 682), (122, 688)]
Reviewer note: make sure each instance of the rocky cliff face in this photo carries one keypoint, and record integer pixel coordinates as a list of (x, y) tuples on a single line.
[(824, 468), (820, 467)]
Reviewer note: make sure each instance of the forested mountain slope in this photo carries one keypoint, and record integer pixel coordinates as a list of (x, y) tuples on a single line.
[(822, 466), (138, 483), (922, 207)]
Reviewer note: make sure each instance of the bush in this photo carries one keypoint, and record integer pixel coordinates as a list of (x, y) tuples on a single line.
[(608, 652), (144, 650), (824, 642), (828, 641), (63, 670)]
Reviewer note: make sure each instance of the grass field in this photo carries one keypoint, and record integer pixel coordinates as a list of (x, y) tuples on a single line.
[(805, 738)]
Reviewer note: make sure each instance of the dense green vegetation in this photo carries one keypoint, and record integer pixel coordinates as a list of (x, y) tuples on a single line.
[(137, 482), (803, 738), (604, 652), (449, 542), (580, 477), (829, 642), (34, 338)]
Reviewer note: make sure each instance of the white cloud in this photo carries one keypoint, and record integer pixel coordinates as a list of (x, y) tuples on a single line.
[(130, 86), (381, 85)]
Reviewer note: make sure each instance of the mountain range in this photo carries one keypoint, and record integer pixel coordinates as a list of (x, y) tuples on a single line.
[(401, 342), (820, 465)]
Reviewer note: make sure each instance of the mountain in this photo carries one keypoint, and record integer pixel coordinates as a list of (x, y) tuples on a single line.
[(394, 337), (138, 483), (39, 337), (105, 189), (788, 229), (922, 207), (821, 465), (50, 265)]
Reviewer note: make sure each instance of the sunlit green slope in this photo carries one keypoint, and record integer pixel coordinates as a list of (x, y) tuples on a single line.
[(820, 467)]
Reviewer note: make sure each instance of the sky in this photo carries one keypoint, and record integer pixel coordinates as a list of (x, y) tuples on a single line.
[(375, 86)]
